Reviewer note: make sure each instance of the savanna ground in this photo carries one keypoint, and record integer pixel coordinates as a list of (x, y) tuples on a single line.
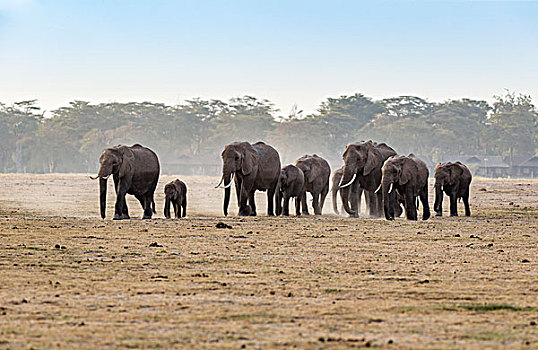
[(71, 280)]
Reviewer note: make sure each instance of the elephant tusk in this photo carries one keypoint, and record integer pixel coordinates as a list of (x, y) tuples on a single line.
[(106, 177), (93, 178), (390, 188), (349, 183), (377, 190), (231, 180), (221, 179)]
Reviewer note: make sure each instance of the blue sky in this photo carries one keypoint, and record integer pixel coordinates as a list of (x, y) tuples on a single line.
[(290, 52)]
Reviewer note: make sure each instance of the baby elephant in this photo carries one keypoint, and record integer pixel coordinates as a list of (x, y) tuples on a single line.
[(291, 185), (176, 192)]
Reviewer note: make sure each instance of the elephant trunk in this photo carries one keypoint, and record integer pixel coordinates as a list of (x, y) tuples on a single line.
[(227, 178), (345, 201), (388, 198), (102, 189), (334, 192), (167, 207), (438, 205)]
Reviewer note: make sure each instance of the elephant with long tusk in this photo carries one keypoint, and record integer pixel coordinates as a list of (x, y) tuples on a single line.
[(251, 167), (135, 171), (362, 170)]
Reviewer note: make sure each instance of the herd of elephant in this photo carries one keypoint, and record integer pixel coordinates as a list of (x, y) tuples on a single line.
[(387, 180)]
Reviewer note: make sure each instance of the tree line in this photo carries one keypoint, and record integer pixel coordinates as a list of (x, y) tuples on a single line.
[(72, 137)]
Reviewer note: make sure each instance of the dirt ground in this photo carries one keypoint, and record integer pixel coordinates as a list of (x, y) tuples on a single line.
[(71, 280)]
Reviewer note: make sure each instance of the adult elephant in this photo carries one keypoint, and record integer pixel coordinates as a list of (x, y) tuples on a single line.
[(135, 171), (454, 179), (316, 172), (408, 177), (253, 167), (362, 169)]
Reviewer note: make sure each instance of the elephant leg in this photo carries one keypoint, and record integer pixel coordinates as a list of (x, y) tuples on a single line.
[(244, 207), (466, 203), (298, 205), (410, 206), (251, 200), (379, 204), (270, 199), (177, 209), (148, 210), (238, 190), (424, 200), (324, 193), (184, 205), (373, 205), (304, 204), (278, 205), (286, 205), (121, 205), (315, 203), (453, 205), (359, 200)]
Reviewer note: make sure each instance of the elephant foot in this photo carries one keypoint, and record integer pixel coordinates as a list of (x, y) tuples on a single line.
[(122, 217), (426, 216), (306, 213), (438, 213), (146, 217), (453, 214)]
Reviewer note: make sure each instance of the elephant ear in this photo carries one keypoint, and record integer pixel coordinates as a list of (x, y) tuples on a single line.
[(407, 167), (249, 158), (373, 161), (127, 161)]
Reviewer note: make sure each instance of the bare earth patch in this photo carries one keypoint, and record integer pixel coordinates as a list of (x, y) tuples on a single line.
[(71, 280)]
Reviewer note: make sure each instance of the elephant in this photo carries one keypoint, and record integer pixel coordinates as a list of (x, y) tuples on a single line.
[(363, 161), (316, 172), (135, 171), (253, 167), (176, 193), (408, 177), (454, 179), (291, 185)]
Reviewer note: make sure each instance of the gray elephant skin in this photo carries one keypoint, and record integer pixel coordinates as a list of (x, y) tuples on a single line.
[(292, 185), (454, 179), (316, 172), (362, 169), (176, 193), (408, 177), (135, 171), (253, 167)]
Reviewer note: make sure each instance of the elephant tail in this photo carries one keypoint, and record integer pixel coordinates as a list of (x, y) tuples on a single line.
[(153, 206)]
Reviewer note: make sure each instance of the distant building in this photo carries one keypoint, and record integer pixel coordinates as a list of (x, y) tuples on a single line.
[(526, 168)]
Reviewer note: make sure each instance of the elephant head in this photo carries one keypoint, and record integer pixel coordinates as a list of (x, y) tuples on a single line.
[(237, 157), (310, 167), (446, 174), (397, 170), (117, 161), (172, 192)]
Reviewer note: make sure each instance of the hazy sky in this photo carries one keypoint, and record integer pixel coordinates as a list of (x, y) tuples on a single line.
[(290, 52)]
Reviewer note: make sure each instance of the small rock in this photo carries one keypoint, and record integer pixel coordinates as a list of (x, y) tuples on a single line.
[(525, 261), (321, 339), (390, 341), (222, 225), (490, 244), (368, 344), (272, 292), (532, 323), (57, 246), (155, 244), (290, 294), (457, 235)]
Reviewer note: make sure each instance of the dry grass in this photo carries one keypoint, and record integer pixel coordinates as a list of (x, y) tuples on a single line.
[(71, 280)]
